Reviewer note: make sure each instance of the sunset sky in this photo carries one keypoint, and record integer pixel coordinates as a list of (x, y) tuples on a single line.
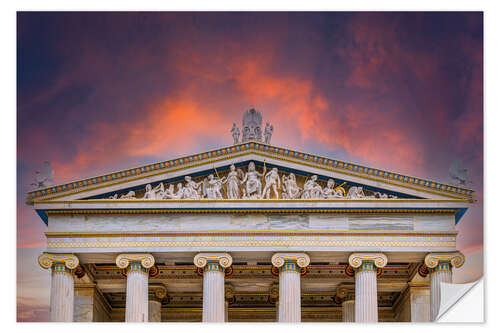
[(101, 92)]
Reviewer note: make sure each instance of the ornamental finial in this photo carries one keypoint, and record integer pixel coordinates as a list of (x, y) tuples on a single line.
[(379, 259), (457, 259), (46, 260)]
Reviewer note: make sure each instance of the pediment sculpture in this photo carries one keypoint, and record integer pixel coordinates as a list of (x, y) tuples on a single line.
[(252, 184)]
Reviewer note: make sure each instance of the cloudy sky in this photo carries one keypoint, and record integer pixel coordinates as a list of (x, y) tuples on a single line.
[(100, 92)]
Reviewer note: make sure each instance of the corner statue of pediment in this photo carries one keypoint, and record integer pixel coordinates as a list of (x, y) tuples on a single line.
[(250, 183)]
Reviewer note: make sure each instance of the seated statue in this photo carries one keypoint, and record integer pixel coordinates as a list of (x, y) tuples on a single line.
[(312, 190), (330, 192)]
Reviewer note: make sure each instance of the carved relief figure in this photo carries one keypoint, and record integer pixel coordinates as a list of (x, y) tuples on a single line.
[(272, 181), (290, 188), (253, 185), (233, 182), (312, 190), (235, 131), (129, 195), (330, 192), (355, 192), (156, 193), (268, 132), (192, 189), (212, 187)]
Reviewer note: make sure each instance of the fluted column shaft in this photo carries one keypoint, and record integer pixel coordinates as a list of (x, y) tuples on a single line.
[(137, 293), (441, 273), (62, 293), (366, 309), (213, 292), (290, 302), (154, 310), (348, 310)]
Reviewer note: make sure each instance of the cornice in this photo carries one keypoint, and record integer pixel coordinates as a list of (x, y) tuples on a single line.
[(261, 149)]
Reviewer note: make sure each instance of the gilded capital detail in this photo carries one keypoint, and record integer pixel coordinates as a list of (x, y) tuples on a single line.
[(300, 259), (357, 259), (159, 291), (47, 260), (456, 259), (224, 260), (145, 259)]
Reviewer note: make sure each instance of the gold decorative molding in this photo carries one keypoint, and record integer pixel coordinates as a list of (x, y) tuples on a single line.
[(201, 259), (46, 260), (457, 259), (146, 259), (302, 259), (253, 211), (356, 259)]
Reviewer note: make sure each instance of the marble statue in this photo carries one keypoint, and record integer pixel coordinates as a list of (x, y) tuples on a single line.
[(129, 195), (192, 189), (330, 192), (233, 181), (312, 190), (290, 188), (155, 193), (253, 185), (355, 192), (252, 126), (272, 182), (268, 132), (235, 131), (212, 187)]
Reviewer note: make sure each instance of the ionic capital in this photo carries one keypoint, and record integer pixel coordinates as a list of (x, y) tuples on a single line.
[(379, 259), (343, 294), (158, 290), (301, 259), (146, 259), (457, 259), (223, 259), (46, 260)]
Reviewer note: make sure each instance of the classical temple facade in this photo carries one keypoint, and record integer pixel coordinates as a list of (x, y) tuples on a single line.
[(250, 232)]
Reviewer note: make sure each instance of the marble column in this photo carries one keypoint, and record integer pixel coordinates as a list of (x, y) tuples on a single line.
[(365, 267), (157, 292), (289, 265), (439, 266), (345, 296), (348, 310), (62, 290), (137, 265), (213, 265)]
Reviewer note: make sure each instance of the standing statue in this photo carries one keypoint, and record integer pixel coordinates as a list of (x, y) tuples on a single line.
[(330, 192), (192, 189), (235, 131), (272, 178), (233, 181), (253, 185), (290, 188), (312, 190), (268, 132), (212, 187)]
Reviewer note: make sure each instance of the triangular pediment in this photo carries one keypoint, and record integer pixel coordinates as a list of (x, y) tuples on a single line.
[(374, 183)]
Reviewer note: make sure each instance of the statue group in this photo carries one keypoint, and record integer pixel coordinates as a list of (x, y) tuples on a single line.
[(251, 185)]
